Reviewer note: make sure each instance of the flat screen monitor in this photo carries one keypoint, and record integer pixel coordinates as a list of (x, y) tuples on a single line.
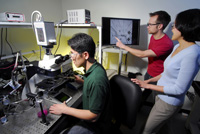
[(45, 33), (126, 29)]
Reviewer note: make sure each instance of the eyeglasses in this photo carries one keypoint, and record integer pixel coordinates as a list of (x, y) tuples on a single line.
[(73, 55), (150, 24), (173, 25)]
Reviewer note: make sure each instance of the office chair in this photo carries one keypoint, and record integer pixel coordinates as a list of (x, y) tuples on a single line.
[(126, 98)]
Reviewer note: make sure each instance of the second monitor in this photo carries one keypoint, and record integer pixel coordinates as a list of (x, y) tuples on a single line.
[(126, 29)]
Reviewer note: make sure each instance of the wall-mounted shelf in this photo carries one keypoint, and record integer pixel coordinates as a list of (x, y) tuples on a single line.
[(77, 25), (15, 24), (23, 24)]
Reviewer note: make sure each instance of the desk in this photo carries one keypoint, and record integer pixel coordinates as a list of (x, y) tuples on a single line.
[(116, 50), (27, 121)]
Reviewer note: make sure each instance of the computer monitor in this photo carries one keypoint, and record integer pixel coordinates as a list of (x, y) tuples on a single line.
[(45, 33), (126, 29)]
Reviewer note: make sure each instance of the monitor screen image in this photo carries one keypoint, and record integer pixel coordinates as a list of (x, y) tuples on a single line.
[(40, 34), (126, 29)]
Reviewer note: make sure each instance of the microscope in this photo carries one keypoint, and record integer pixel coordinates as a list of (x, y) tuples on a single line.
[(45, 35)]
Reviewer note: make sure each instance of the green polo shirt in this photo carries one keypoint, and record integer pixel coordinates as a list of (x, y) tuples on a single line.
[(96, 94)]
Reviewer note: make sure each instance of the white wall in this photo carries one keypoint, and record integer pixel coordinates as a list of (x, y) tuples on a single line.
[(128, 8), (50, 9)]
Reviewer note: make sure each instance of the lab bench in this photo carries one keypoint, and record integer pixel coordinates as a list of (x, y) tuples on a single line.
[(25, 120)]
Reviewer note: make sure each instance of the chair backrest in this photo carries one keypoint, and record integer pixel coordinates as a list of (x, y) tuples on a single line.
[(126, 98)]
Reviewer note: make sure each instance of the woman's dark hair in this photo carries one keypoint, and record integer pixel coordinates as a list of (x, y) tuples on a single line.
[(163, 18), (82, 42), (188, 23)]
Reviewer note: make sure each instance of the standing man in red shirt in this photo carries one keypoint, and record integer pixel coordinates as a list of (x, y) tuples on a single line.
[(160, 46)]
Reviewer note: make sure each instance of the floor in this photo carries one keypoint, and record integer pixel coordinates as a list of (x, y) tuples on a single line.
[(177, 125)]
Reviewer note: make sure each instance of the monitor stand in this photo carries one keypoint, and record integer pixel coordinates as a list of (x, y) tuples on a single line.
[(115, 49), (120, 61)]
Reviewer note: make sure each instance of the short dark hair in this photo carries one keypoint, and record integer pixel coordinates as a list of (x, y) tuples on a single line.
[(82, 42), (188, 23), (163, 17)]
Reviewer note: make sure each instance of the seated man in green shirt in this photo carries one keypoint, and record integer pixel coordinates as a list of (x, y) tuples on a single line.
[(96, 113)]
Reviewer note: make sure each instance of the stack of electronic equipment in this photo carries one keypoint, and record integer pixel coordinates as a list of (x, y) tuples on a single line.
[(79, 16), (12, 17)]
